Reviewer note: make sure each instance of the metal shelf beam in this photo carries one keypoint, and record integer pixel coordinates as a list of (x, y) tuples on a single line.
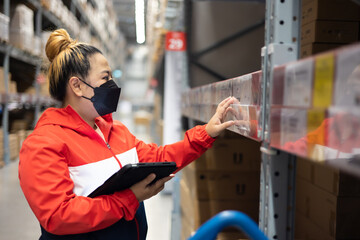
[(19, 54)]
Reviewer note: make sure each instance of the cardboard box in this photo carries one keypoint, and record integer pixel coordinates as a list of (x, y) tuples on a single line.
[(14, 146), (336, 216), (209, 184), (195, 211), (314, 48), (22, 39), (329, 32), (230, 185), (249, 207), (199, 164), (239, 154), (337, 10), (328, 179), (305, 229), (235, 235), (2, 82), (17, 125), (22, 18), (4, 27), (186, 229), (21, 138), (12, 87), (197, 179)]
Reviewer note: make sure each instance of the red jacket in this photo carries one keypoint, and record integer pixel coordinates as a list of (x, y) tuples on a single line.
[(64, 160)]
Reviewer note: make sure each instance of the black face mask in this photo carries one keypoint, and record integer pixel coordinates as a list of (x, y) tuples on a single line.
[(106, 97)]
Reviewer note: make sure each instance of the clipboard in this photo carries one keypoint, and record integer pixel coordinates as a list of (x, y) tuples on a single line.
[(130, 174)]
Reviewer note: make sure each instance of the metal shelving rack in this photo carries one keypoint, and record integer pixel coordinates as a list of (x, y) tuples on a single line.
[(43, 20), (278, 167)]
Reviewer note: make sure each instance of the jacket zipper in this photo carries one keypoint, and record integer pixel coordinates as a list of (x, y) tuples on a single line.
[(136, 222), (108, 146)]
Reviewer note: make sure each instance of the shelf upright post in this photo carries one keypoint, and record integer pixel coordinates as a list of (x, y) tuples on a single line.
[(38, 21), (73, 7), (277, 179), (5, 110)]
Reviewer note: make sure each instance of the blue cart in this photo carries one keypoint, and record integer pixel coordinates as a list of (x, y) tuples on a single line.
[(210, 229)]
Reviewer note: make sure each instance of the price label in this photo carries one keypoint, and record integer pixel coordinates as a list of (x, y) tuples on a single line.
[(323, 86), (175, 41)]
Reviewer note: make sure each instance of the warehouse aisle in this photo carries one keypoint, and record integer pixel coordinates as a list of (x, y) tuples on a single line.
[(18, 222)]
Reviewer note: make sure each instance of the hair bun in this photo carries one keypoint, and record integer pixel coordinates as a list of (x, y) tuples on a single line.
[(58, 41)]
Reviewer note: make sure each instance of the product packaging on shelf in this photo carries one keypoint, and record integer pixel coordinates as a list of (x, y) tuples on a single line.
[(4, 27), (14, 146), (2, 80), (298, 83), (343, 137), (293, 126), (22, 28), (323, 80), (347, 78), (242, 89), (223, 90)]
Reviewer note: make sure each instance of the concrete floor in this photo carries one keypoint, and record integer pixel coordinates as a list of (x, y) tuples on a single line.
[(17, 221)]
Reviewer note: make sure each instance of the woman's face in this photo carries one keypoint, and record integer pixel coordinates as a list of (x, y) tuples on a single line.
[(99, 73)]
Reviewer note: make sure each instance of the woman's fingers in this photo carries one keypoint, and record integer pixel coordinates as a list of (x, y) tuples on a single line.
[(223, 106)]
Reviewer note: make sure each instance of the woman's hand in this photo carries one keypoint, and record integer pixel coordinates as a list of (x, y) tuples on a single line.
[(143, 190), (216, 124)]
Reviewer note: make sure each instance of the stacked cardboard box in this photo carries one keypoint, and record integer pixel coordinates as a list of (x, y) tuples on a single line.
[(327, 203), (14, 146), (11, 84), (58, 8), (22, 27), (327, 24), (226, 177), (4, 27)]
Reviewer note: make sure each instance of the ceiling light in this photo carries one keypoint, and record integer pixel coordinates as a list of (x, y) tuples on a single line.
[(140, 21)]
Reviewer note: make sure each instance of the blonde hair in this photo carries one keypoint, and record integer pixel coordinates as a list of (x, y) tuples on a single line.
[(67, 58)]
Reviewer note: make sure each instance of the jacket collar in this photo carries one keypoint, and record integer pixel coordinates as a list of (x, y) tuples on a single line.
[(68, 118)]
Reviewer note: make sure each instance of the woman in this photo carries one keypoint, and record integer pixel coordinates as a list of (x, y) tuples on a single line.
[(74, 149)]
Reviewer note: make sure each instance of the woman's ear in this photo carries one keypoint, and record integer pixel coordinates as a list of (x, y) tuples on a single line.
[(75, 86)]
